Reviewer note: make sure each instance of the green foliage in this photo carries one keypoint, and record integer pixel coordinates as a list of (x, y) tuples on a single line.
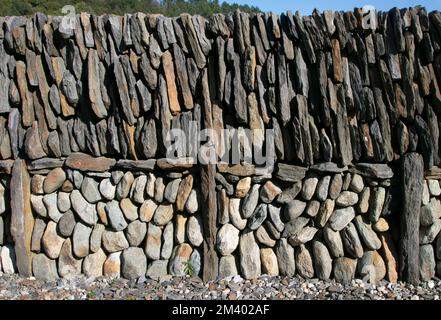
[(166, 7), (188, 269)]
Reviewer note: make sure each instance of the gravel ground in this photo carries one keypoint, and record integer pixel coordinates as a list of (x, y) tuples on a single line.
[(13, 287)]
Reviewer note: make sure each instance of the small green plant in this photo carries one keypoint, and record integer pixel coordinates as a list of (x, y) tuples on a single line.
[(91, 295), (188, 268)]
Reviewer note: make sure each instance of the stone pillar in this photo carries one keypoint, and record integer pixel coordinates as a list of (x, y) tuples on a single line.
[(22, 220), (412, 178)]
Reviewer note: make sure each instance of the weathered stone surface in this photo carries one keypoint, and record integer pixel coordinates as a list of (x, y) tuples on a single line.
[(84, 162), (235, 217), (171, 190), (367, 235), (334, 242), (430, 212), (351, 241), (68, 264), (264, 238), (376, 203), (242, 187), (63, 201), (259, 215), (303, 236), (167, 241), (427, 263), (270, 265), (133, 263), (163, 214), (86, 211), (124, 185), (50, 202), (323, 188), (157, 269), (371, 267), (290, 173), (335, 186), (341, 217), (269, 192), (322, 260), (112, 265), (192, 203), (344, 269), (54, 180), (93, 264), (346, 199), (51, 241), (428, 234), (309, 186), (114, 241), (250, 201), (153, 242), (44, 269), (304, 263), (107, 189), (227, 239), (8, 259), (249, 255), (390, 257), (135, 232), (129, 209), (181, 255), (38, 205), (325, 212), (81, 240), (194, 230), (227, 267), (294, 209), (115, 216), (89, 189)]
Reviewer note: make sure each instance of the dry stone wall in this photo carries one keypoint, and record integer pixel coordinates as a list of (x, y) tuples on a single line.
[(85, 114)]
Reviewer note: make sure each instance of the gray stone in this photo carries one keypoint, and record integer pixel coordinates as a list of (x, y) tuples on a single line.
[(357, 183), (93, 264), (38, 205), (427, 262), (8, 259), (89, 189), (428, 234), (63, 201), (434, 187), (312, 208), (194, 231), (294, 209), (124, 185), (114, 241), (153, 242), (294, 226), (196, 262), (303, 236), (147, 210), (430, 212), (150, 185), (54, 180), (322, 260), (171, 190), (340, 218), (37, 234), (259, 215), (366, 233), (133, 263), (192, 203), (50, 202), (138, 189), (163, 214), (309, 186), (426, 193), (116, 176), (335, 186), (290, 173), (115, 216), (264, 238), (274, 215), (323, 188), (81, 240), (227, 267), (250, 201), (235, 216), (51, 241), (112, 265), (376, 203), (157, 269), (77, 179), (285, 258), (66, 224), (304, 264), (135, 232), (249, 255), (44, 269), (68, 264), (159, 189), (167, 241), (290, 193), (227, 239), (96, 237), (180, 257), (344, 269), (85, 210), (107, 189), (363, 200), (351, 241), (333, 241), (346, 199)]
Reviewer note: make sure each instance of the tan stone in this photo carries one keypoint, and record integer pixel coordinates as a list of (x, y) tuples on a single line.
[(84, 162), (381, 225), (336, 58), (269, 262), (37, 184), (147, 210), (169, 72), (242, 187), (390, 257), (93, 264), (112, 265), (54, 180), (183, 192), (51, 241)]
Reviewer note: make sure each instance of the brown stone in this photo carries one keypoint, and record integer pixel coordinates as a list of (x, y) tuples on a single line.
[(22, 220), (242, 187), (269, 262), (336, 61), (183, 192), (85, 162), (169, 72), (54, 180), (241, 170), (33, 146), (51, 241), (390, 257)]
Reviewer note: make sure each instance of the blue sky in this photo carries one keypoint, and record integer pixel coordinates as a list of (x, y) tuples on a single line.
[(306, 6)]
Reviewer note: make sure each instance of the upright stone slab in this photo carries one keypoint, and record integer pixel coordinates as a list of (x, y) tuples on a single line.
[(22, 220), (412, 178)]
